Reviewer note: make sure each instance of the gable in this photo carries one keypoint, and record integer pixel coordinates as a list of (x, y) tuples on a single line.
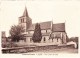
[(60, 27)]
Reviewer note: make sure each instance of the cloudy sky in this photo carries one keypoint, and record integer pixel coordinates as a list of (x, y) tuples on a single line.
[(40, 11)]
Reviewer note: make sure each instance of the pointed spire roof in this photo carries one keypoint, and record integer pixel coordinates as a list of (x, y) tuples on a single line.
[(25, 12)]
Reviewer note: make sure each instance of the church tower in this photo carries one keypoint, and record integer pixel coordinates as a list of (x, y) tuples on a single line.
[(25, 20)]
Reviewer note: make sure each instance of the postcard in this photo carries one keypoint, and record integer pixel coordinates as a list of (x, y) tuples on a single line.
[(48, 28)]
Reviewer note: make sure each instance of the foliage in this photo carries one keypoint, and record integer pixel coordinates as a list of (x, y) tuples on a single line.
[(37, 36), (16, 33)]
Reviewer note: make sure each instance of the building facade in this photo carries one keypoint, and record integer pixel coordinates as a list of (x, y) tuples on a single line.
[(51, 33)]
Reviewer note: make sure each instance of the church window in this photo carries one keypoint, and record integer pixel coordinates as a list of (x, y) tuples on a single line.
[(52, 39), (44, 39), (24, 39), (30, 39), (23, 20), (57, 39), (46, 31)]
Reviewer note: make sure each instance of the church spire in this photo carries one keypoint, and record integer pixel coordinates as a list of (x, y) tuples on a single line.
[(25, 12)]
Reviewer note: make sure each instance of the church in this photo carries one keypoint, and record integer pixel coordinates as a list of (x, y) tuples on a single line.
[(51, 33)]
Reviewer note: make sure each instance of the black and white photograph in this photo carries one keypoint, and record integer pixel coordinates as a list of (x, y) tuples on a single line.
[(39, 27)]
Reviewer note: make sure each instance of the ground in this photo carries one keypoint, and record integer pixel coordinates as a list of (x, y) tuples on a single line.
[(63, 50), (42, 48)]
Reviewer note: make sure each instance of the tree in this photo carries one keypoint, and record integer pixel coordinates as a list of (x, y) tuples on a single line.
[(16, 33), (37, 36)]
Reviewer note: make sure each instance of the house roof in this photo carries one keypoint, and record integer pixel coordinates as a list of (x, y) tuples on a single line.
[(60, 27), (43, 25)]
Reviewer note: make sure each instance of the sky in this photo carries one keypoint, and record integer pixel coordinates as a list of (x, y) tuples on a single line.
[(41, 11)]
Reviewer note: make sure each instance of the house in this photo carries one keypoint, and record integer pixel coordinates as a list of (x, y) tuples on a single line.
[(51, 33)]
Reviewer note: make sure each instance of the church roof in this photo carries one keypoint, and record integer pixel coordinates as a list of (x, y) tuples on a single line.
[(43, 25), (60, 27), (25, 12)]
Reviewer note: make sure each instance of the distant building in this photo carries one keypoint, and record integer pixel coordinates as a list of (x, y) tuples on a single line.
[(51, 33), (4, 38), (74, 39)]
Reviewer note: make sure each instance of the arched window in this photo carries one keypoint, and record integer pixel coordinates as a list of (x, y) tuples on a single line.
[(46, 31), (30, 39), (23, 20), (57, 39), (44, 39)]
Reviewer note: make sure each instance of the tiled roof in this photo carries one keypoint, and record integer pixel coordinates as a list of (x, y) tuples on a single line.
[(25, 13), (60, 27), (32, 27), (43, 25)]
